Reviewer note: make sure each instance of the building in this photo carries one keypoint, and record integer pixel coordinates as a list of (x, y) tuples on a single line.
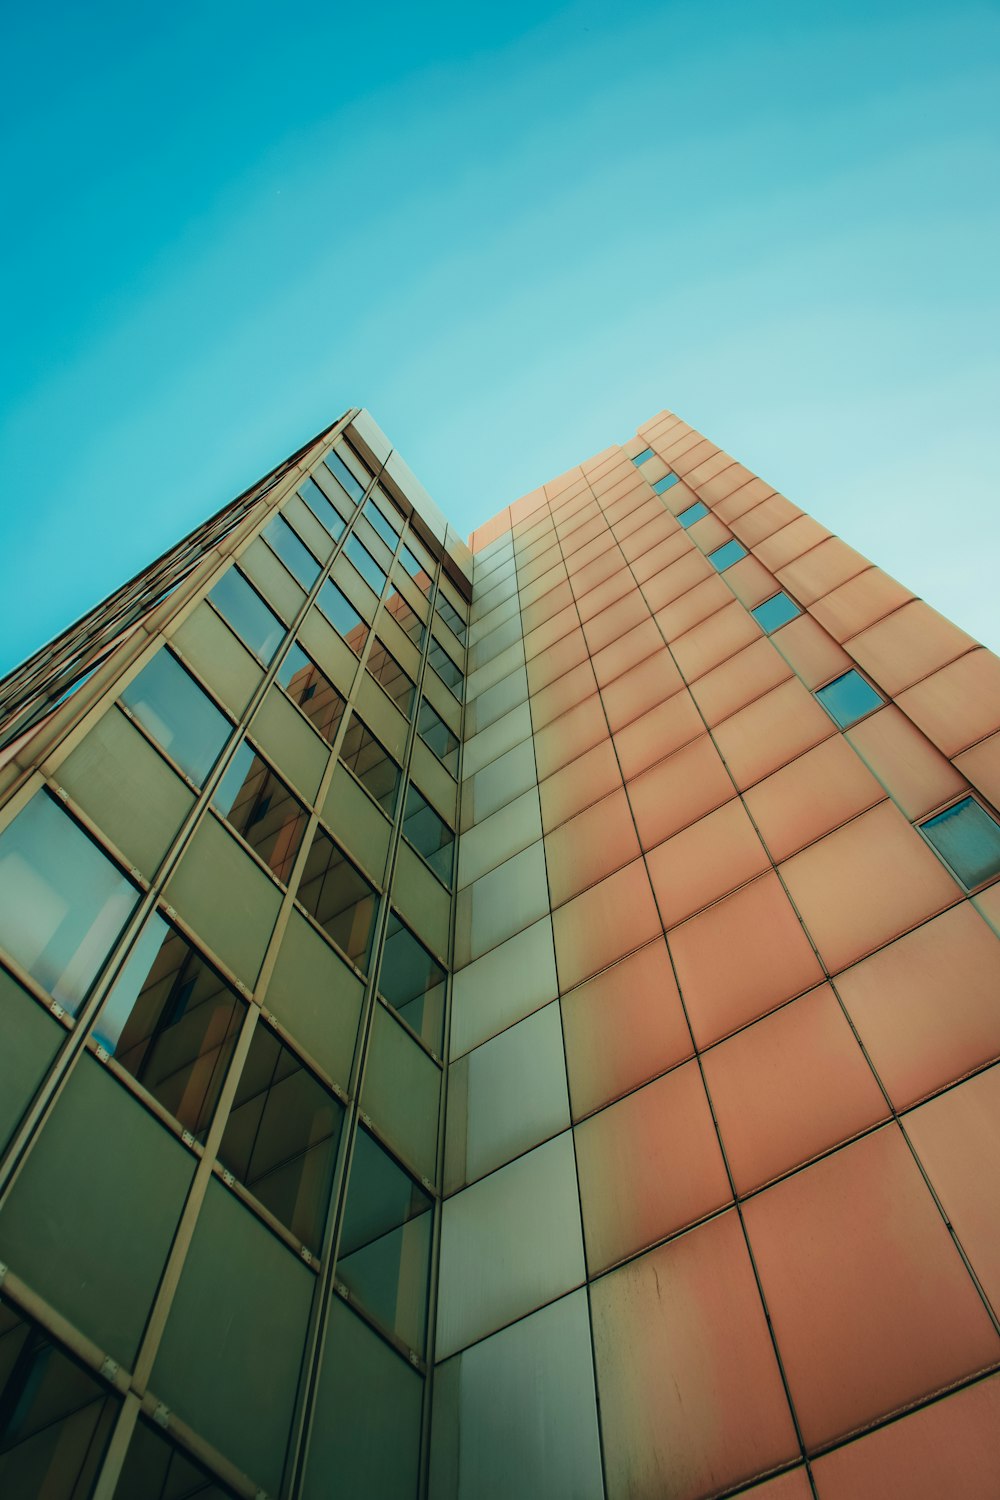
[(517, 1020)]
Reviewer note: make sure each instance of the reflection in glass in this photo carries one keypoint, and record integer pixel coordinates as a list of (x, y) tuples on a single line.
[(387, 672), (281, 1137), (62, 902), (848, 698), (723, 557), (643, 457), (450, 616), (155, 1470), (775, 612), (435, 733), (381, 523), (422, 573), (413, 983), (365, 564), (172, 1023), (326, 514), (968, 837), (667, 482), (449, 673), (405, 618), (343, 616), (55, 1417), (315, 694), (343, 476), (385, 1242), (293, 551), (340, 898), (429, 834), (170, 706), (242, 607), (260, 807), (371, 763), (693, 513)]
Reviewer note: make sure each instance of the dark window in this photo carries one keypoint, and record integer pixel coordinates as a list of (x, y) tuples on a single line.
[(155, 1470), (848, 698), (429, 834), (340, 898), (379, 522), (62, 902), (666, 483), (723, 557), (263, 811), (172, 1023), (413, 983), (643, 457), (775, 612), (343, 616), (693, 513), (406, 618), (390, 676), (449, 673), (343, 476), (435, 733), (293, 552), (366, 565), (326, 514), (170, 706), (967, 837), (281, 1137), (315, 694), (255, 624), (371, 763), (451, 616)]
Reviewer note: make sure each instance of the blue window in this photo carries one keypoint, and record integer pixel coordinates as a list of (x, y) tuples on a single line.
[(968, 839), (343, 476), (343, 616), (365, 564), (774, 612), (326, 514), (847, 699), (293, 552), (380, 523), (693, 513), (643, 457), (666, 483), (723, 557), (243, 608), (172, 708)]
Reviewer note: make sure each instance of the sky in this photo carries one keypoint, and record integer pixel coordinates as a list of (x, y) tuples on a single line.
[(513, 233)]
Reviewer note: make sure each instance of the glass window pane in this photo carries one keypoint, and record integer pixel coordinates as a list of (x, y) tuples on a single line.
[(340, 899), (666, 483), (774, 612), (343, 476), (62, 902), (315, 694), (643, 457), (968, 838), (242, 607), (381, 523), (405, 618), (281, 1137), (342, 615), (365, 564), (293, 552), (723, 557), (170, 706), (55, 1417), (693, 513), (326, 514), (446, 669), (155, 1470), (260, 807), (172, 1023), (385, 1242), (848, 698), (387, 672), (429, 834), (413, 983), (435, 733), (422, 573), (451, 617), (31, 1040), (371, 763)]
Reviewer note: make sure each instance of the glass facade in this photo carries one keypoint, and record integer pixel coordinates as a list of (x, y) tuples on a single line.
[(508, 1020)]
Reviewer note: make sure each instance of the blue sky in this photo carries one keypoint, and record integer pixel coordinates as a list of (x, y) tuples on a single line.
[(514, 232)]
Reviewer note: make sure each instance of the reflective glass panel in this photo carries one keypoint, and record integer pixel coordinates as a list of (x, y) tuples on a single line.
[(847, 699), (315, 694), (450, 616), (170, 706), (326, 514), (371, 763), (429, 834), (172, 1023), (968, 838), (62, 902), (293, 551), (365, 564), (390, 676), (343, 475), (446, 669), (381, 523), (343, 616), (775, 612), (155, 1470), (421, 573), (435, 733), (405, 618), (55, 1417), (385, 1242), (643, 457), (413, 983), (666, 483), (263, 811), (281, 1137), (243, 608), (340, 898), (723, 557), (693, 513)]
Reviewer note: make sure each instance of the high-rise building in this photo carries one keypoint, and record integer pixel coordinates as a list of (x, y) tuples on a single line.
[(506, 1022)]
